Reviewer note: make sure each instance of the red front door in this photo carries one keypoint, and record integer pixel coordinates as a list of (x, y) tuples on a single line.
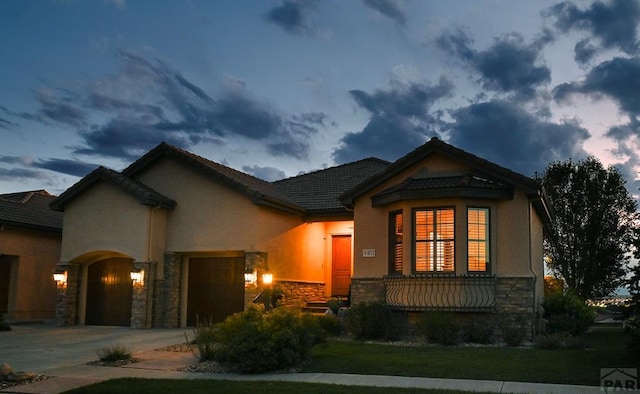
[(341, 265)]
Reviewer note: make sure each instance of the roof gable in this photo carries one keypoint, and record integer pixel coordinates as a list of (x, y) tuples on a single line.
[(259, 191), (29, 210), (141, 192), (478, 168)]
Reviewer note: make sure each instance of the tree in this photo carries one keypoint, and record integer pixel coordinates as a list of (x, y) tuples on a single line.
[(594, 228)]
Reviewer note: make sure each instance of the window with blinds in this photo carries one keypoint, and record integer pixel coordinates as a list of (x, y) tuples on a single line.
[(395, 242), (434, 240), (477, 239)]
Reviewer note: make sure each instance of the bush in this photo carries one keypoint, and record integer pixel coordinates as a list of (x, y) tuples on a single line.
[(632, 325), (478, 330), (440, 327), (114, 353), (568, 314), (331, 325), (514, 331), (373, 320), (254, 341)]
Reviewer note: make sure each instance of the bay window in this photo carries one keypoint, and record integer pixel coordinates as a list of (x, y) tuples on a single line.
[(477, 239)]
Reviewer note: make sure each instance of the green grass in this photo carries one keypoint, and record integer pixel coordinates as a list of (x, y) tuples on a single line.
[(606, 349), (154, 386)]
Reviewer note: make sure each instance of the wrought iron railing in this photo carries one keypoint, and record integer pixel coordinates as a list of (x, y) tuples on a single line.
[(441, 292)]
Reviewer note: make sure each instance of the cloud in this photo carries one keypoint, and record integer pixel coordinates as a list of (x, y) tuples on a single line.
[(20, 173), (126, 113), (268, 174), (504, 133), (388, 8), (66, 166), (508, 66), (614, 25), (291, 16), (618, 79), (400, 120)]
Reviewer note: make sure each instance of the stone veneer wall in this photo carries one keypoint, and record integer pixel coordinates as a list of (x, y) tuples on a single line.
[(67, 297), (141, 305), (514, 299), (296, 294), (166, 294)]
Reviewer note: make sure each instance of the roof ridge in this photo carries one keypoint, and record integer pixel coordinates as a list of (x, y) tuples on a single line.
[(27, 196), (371, 158)]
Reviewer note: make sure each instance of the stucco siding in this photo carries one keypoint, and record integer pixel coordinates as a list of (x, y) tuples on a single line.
[(34, 257), (105, 218)]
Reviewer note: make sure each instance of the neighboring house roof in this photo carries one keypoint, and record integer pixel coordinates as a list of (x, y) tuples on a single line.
[(479, 167), (318, 192), (141, 192), (260, 191), (29, 210)]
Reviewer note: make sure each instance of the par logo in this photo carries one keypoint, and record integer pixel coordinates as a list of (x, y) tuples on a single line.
[(619, 378)]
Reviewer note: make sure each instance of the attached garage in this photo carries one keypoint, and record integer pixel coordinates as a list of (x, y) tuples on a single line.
[(109, 291), (216, 288)]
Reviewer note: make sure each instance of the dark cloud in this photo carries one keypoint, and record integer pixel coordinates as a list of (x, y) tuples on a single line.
[(618, 79), (20, 173), (291, 15), (508, 66), (400, 121), (504, 133), (66, 166), (613, 24), (268, 174), (388, 8)]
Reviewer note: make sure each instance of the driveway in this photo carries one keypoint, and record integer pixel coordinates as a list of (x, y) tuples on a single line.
[(40, 347)]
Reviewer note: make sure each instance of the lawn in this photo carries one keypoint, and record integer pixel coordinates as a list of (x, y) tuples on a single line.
[(606, 349)]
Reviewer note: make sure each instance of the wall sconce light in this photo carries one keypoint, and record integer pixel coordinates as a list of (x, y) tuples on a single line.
[(60, 277), (250, 277), (137, 276)]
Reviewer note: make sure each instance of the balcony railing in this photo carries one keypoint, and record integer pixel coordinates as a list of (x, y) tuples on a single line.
[(441, 292)]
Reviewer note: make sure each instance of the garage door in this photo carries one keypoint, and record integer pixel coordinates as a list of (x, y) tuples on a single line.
[(109, 290), (216, 288)]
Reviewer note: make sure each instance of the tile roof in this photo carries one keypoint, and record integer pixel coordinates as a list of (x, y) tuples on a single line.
[(29, 210), (465, 185), (143, 193), (319, 191), (260, 191)]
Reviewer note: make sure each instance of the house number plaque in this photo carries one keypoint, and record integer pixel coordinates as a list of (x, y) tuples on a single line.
[(368, 253)]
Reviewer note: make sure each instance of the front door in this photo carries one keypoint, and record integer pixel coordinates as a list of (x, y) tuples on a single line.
[(109, 291), (340, 265), (216, 289)]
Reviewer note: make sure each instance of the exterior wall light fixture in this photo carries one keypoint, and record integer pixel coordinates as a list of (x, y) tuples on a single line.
[(60, 277), (137, 276)]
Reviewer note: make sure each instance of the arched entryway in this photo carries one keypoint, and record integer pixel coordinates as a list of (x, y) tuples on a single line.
[(109, 290)]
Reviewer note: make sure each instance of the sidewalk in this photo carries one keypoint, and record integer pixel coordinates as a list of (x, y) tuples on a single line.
[(63, 353)]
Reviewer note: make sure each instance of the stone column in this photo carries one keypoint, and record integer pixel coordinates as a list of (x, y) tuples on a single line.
[(67, 296), (141, 297), (166, 294)]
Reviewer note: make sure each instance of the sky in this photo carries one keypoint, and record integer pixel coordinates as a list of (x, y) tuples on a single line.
[(276, 88)]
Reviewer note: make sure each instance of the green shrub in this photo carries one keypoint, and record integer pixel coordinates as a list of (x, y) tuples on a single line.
[(478, 330), (514, 330), (331, 325), (205, 339), (114, 353), (373, 320), (440, 327), (567, 313), (632, 325), (254, 341)]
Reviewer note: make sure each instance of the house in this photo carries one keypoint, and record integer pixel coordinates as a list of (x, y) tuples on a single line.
[(175, 238), (30, 237)]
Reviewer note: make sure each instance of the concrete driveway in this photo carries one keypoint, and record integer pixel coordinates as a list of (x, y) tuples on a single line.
[(41, 347)]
